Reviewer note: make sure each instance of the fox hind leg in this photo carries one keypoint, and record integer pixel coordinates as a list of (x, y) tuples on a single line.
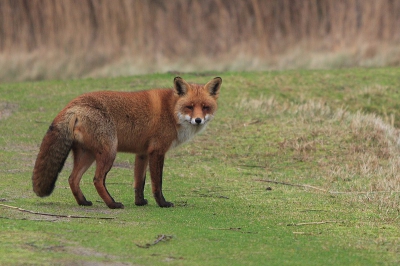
[(104, 161), (83, 159)]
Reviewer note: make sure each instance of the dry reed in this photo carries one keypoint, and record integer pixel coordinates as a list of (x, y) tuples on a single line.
[(75, 38)]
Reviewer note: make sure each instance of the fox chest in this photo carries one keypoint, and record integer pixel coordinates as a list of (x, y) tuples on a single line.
[(186, 132)]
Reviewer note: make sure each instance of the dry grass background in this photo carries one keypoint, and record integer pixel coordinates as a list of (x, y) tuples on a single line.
[(350, 154), (42, 39)]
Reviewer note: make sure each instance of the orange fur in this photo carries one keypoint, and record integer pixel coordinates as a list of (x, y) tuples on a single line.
[(99, 124)]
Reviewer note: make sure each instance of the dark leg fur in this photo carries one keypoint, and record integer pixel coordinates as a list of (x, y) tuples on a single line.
[(156, 169), (141, 163)]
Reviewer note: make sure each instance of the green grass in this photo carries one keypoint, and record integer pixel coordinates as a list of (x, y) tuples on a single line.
[(298, 128)]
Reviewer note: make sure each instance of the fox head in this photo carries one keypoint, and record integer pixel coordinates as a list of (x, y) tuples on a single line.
[(197, 103)]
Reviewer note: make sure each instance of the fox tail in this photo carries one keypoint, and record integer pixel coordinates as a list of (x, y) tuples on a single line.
[(54, 150)]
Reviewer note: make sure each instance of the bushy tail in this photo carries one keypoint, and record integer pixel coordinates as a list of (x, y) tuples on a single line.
[(53, 152)]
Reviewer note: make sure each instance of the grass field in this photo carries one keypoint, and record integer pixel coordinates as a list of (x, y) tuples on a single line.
[(297, 168)]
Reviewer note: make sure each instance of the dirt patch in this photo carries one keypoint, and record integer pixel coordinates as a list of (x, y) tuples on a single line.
[(6, 109), (124, 165), (91, 254)]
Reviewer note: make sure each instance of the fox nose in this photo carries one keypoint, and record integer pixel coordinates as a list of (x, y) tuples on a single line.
[(197, 120)]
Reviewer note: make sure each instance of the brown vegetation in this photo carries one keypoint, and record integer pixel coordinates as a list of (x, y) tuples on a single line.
[(356, 154), (74, 38)]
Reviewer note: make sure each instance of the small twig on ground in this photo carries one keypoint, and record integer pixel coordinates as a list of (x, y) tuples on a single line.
[(322, 189), (55, 215), (252, 122), (289, 184), (312, 223), (312, 210), (303, 233), (158, 240), (362, 192), (237, 229), (213, 196), (252, 166), (230, 228)]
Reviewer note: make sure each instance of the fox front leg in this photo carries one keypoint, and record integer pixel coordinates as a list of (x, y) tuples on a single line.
[(141, 163), (156, 168)]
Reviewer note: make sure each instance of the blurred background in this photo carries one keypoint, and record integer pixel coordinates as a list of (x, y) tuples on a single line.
[(52, 39)]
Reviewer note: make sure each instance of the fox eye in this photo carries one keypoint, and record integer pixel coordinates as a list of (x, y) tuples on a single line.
[(206, 108), (189, 107)]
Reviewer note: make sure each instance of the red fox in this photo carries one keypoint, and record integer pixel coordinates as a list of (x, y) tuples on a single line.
[(96, 125)]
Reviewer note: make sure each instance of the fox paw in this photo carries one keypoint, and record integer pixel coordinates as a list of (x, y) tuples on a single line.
[(115, 205), (86, 203), (166, 204), (141, 202)]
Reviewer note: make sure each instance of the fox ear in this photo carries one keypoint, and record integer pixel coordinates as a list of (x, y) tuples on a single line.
[(213, 86), (180, 86)]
